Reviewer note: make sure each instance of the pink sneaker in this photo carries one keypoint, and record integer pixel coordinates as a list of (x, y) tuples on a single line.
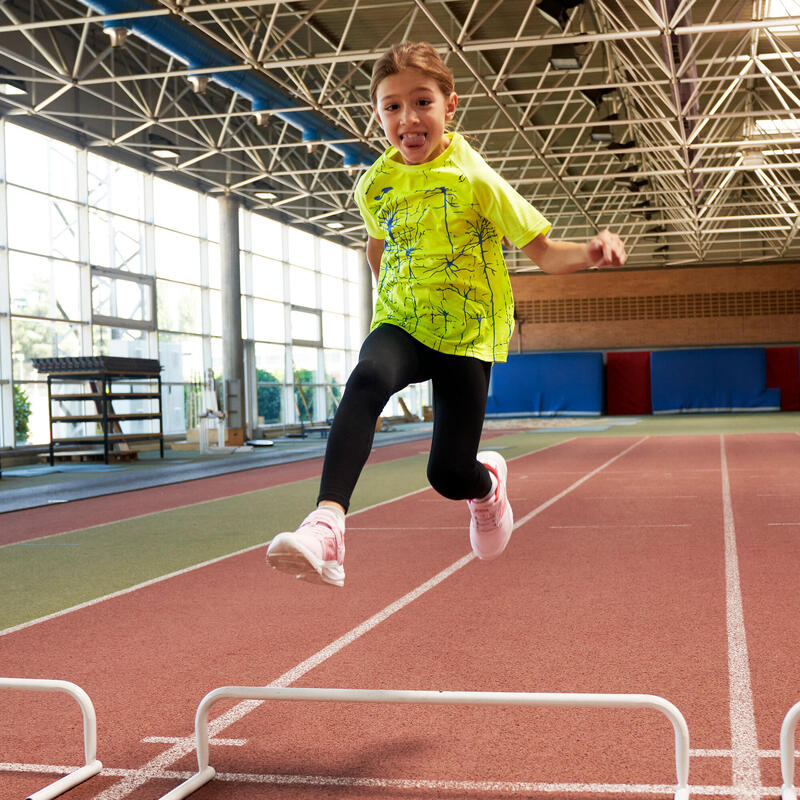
[(492, 519), (315, 551)]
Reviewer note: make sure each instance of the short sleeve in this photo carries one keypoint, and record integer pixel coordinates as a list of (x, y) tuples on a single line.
[(505, 206), (370, 220)]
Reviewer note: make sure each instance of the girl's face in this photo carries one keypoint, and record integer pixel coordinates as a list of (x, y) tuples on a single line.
[(413, 110)]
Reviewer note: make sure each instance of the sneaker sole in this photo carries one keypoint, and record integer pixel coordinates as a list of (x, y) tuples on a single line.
[(285, 554)]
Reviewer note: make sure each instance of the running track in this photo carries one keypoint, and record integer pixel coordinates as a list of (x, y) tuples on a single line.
[(662, 565)]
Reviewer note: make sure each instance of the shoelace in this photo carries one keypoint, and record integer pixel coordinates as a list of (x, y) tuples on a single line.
[(486, 514), (330, 538)]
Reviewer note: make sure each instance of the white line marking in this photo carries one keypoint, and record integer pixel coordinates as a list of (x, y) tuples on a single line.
[(783, 523), (156, 766), (176, 739), (626, 525), (744, 741), (509, 787)]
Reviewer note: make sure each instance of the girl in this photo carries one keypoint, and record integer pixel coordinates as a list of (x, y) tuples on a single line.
[(436, 215)]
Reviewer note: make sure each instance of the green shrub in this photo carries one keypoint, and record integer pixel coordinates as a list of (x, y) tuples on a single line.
[(22, 413)]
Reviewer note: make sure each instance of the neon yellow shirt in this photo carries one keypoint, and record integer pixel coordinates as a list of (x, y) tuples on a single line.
[(442, 277)]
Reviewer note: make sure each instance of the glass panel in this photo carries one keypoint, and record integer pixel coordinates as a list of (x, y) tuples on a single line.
[(214, 269), (115, 187), (305, 374), (212, 218), (269, 377), (333, 329), (41, 339), (116, 242), (355, 332), (179, 307), (303, 287), (215, 311), (177, 256), (117, 297), (266, 236), (354, 268), (122, 342), (176, 207), (268, 321), (353, 298), (37, 430), (306, 326), (44, 287), (39, 162), (301, 248), (331, 258), (332, 294), (42, 224), (267, 278)]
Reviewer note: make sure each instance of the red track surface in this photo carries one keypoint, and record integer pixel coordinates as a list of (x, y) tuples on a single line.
[(618, 586)]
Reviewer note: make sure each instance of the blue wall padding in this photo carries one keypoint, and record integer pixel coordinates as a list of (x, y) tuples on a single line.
[(711, 380), (545, 384)]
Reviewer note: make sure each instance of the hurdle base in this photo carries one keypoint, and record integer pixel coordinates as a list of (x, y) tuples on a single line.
[(67, 782), (190, 785), (788, 793)]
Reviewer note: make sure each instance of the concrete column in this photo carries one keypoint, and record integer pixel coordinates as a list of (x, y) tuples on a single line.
[(232, 347), (367, 304)]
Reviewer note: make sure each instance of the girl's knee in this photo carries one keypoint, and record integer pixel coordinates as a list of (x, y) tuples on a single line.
[(450, 481), (370, 377)]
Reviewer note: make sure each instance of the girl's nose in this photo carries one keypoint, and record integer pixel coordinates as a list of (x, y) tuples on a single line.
[(410, 115)]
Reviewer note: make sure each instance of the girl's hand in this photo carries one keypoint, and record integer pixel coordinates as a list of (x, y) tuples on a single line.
[(606, 250)]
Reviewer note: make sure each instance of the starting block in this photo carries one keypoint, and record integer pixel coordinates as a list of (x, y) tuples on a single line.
[(92, 765), (205, 772)]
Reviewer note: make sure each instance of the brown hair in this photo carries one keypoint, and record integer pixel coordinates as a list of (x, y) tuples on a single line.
[(412, 55)]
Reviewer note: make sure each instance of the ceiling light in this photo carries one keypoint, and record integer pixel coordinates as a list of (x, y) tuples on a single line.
[(753, 158), (602, 133), (268, 196), (116, 34), (336, 226), (563, 56), (595, 96), (10, 85), (634, 186), (162, 147)]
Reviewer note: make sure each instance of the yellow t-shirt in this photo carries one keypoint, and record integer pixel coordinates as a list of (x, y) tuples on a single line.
[(442, 277)]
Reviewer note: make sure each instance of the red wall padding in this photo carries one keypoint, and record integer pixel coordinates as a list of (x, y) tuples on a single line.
[(783, 372), (628, 383)]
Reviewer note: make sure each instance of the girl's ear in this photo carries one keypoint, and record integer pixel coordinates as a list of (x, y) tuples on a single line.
[(450, 108)]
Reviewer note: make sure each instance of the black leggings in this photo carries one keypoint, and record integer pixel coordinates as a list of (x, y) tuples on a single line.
[(390, 360)]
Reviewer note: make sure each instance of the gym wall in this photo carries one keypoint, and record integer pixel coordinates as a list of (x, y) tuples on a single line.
[(690, 306)]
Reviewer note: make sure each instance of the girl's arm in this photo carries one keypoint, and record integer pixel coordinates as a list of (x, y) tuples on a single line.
[(558, 258), (374, 253)]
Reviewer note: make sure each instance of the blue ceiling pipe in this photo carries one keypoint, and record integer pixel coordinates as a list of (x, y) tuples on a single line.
[(173, 38)]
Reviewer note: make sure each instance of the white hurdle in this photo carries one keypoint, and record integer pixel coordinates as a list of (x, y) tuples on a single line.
[(205, 772), (92, 765), (788, 791)]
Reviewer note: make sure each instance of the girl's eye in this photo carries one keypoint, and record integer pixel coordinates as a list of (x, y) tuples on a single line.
[(424, 101)]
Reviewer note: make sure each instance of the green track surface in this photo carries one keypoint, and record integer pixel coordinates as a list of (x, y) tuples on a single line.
[(50, 574)]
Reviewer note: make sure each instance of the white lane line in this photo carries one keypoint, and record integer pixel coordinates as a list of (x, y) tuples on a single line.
[(626, 525), (506, 787), (744, 741), (156, 766), (783, 523), (176, 739)]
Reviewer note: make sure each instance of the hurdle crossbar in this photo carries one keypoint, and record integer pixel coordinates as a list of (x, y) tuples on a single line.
[(92, 765), (205, 772), (788, 791)]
